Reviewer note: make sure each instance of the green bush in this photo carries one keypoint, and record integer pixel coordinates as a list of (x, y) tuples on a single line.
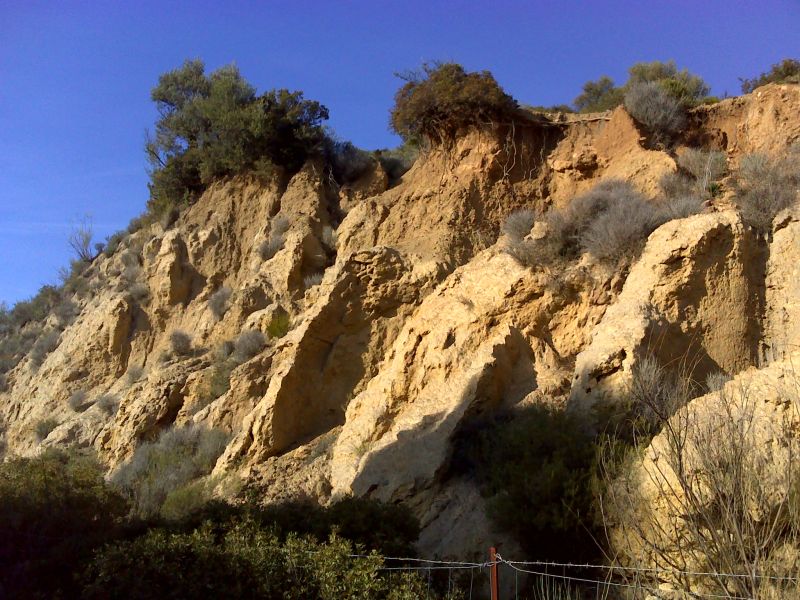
[(216, 126), (158, 468), (440, 100), (786, 71), (44, 345), (244, 562), (279, 325), (535, 468), (397, 161), (180, 342), (682, 86), (598, 96), (55, 510)]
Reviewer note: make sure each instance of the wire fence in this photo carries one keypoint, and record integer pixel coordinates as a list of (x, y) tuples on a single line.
[(642, 579)]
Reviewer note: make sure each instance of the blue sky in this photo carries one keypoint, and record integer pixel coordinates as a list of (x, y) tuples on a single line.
[(75, 79)]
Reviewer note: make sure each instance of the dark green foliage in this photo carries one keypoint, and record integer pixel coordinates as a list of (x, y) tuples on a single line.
[(786, 71), (598, 96), (57, 512), (215, 126), (37, 308), (440, 100), (347, 162), (55, 509), (536, 469), (397, 161), (243, 562)]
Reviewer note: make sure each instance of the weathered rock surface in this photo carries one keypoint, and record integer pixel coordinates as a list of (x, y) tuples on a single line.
[(421, 321), (693, 301)]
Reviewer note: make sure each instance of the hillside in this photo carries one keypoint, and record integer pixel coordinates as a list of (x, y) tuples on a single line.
[(394, 322)]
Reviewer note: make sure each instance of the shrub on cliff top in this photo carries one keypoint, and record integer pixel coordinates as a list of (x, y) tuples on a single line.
[(215, 126), (442, 99), (786, 71)]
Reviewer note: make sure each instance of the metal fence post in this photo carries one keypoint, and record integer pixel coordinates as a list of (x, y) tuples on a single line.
[(493, 574)]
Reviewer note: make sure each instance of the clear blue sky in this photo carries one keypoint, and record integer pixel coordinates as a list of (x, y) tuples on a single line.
[(75, 79)]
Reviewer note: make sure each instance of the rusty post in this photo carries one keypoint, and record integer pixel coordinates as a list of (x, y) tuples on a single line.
[(493, 574)]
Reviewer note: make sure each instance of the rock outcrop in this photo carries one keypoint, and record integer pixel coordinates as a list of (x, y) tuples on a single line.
[(394, 315)]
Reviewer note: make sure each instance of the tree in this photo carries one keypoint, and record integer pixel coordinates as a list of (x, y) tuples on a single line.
[(217, 126), (441, 99), (598, 96)]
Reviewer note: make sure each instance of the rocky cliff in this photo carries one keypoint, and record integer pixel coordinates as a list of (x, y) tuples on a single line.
[(393, 316)]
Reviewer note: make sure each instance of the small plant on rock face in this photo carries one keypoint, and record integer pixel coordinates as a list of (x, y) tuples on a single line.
[(43, 346), (313, 280), (765, 186), (134, 374), (44, 427), (519, 224), (279, 325), (77, 401), (218, 302), (180, 342), (107, 403), (248, 344), (269, 248)]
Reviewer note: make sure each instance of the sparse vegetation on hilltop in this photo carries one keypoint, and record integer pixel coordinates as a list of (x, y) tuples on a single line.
[(441, 99)]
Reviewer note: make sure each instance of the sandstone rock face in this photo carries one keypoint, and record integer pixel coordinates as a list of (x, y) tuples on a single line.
[(422, 320), (782, 319), (764, 121), (693, 299)]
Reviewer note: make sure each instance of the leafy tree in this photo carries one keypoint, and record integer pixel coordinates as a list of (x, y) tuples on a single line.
[(598, 96), (442, 99), (216, 126), (786, 71)]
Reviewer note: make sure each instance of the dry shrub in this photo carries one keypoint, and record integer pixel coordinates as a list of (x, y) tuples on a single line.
[(766, 185), (44, 345), (652, 106), (134, 374), (158, 468), (313, 280), (180, 342), (107, 403), (78, 401), (43, 428), (712, 504), (519, 223), (218, 302), (248, 344), (269, 248)]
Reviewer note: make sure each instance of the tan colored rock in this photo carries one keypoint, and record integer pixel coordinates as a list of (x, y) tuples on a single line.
[(148, 408), (336, 348), (692, 299), (782, 319)]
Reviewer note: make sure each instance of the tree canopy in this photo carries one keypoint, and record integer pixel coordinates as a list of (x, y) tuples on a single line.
[(212, 126), (441, 99)]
